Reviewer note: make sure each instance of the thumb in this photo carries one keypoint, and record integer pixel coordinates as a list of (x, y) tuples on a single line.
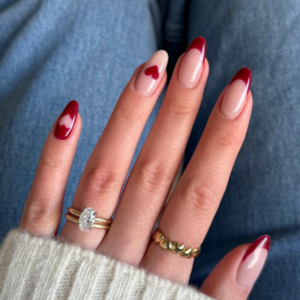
[(235, 275)]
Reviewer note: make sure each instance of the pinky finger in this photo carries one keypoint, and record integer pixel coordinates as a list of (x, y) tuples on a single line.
[(235, 275), (43, 208)]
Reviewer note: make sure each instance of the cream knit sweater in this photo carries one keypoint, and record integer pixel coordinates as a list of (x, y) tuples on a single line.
[(35, 268)]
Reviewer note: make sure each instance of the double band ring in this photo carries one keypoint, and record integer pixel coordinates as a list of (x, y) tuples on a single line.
[(176, 248), (86, 219)]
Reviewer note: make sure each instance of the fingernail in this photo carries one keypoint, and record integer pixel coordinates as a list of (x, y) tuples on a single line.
[(253, 262), (152, 73), (192, 63), (66, 121), (236, 94)]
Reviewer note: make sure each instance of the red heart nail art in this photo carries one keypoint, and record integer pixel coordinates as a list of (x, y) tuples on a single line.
[(153, 71)]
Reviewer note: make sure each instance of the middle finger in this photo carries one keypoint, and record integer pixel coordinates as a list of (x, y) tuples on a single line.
[(107, 167), (199, 191), (159, 160)]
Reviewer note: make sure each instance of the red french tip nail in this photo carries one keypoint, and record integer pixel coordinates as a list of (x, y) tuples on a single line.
[(66, 122), (262, 242), (245, 75), (198, 43)]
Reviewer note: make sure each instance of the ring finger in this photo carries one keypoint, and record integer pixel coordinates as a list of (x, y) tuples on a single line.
[(104, 175), (196, 198)]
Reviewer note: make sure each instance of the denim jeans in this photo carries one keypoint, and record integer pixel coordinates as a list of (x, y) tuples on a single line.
[(53, 51)]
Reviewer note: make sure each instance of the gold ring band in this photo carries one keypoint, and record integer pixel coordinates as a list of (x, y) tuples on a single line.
[(75, 220), (86, 219), (77, 213), (176, 248)]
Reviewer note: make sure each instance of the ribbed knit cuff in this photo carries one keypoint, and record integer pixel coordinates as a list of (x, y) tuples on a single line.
[(35, 268)]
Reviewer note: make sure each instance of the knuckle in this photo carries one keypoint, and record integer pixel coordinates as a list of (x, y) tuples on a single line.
[(132, 115), (53, 162), (153, 174), (40, 211), (102, 180), (180, 109), (226, 139), (199, 197)]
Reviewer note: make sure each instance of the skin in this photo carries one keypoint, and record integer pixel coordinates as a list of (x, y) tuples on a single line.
[(192, 205)]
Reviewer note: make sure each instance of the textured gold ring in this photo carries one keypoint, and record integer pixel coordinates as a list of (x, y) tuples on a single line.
[(166, 244), (86, 219)]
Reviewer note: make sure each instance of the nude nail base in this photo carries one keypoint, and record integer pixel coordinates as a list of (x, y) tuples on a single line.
[(236, 94), (152, 73), (253, 262), (192, 63)]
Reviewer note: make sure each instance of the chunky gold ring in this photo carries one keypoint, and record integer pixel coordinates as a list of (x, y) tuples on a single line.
[(87, 219), (176, 248)]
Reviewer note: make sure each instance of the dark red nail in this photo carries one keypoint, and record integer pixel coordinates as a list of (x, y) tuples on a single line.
[(66, 121), (245, 75), (262, 242), (198, 43)]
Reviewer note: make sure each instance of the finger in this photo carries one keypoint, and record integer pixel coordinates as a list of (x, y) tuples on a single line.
[(159, 159), (235, 275), (43, 208), (106, 170), (197, 196)]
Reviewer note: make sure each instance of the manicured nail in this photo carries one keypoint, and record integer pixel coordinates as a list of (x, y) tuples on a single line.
[(192, 63), (66, 121), (236, 94), (253, 262), (152, 73)]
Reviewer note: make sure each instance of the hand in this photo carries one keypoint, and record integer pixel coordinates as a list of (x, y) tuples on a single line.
[(195, 200)]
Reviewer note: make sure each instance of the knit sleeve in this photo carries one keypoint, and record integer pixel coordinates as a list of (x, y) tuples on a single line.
[(36, 268)]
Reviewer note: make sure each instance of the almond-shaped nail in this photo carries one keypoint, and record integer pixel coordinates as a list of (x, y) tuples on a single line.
[(236, 94), (66, 121), (192, 63), (253, 262), (152, 73)]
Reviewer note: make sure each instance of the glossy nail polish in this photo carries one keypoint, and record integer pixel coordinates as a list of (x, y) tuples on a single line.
[(253, 262), (236, 94), (192, 63), (152, 73), (66, 121)]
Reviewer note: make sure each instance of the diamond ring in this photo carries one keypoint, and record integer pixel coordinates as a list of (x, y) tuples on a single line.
[(86, 219)]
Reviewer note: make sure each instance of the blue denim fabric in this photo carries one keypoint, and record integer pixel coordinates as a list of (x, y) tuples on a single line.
[(53, 51), (264, 189)]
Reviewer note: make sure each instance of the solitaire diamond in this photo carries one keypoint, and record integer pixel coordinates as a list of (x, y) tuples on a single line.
[(87, 219)]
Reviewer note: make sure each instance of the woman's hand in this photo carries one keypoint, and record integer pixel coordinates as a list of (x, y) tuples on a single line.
[(195, 200)]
